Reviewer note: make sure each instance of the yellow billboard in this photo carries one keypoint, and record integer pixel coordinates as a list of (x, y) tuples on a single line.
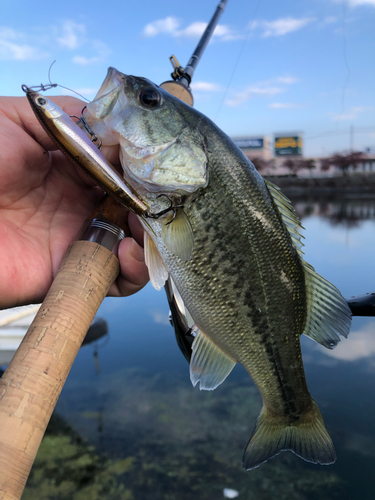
[(288, 145)]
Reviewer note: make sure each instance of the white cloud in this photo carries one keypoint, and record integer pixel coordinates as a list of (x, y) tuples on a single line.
[(7, 33), (194, 30), (352, 114), (99, 48), (84, 61), (284, 105), (16, 52), (171, 26), (268, 88), (251, 91), (357, 3), (224, 32), (287, 79), (205, 87), (19, 46), (168, 25), (282, 26), (12, 51), (72, 35)]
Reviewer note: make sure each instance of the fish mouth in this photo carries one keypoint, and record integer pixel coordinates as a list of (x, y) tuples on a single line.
[(108, 102), (113, 79)]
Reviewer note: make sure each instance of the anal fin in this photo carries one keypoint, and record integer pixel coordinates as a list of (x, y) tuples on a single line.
[(209, 365)]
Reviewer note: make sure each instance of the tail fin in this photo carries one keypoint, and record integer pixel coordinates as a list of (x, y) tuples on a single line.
[(308, 438)]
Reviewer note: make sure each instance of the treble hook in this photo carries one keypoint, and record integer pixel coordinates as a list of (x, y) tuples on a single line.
[(171, 207), (94, 138)]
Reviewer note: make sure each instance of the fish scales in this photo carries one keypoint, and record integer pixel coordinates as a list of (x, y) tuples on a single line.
[(252, 315), (233, 257)]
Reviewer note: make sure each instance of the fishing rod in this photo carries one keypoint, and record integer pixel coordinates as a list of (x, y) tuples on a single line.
[(32, 382), (180, 85)]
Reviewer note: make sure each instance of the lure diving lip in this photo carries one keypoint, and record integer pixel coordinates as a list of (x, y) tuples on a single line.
[(75, 144)]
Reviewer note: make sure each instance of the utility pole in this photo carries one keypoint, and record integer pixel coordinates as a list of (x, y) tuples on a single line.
[(351, 138)]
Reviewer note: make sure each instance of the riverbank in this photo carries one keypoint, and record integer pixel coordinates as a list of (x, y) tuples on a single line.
[(362, 185)]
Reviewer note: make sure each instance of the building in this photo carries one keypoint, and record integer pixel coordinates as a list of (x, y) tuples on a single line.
[(255, 146), (269, 156)]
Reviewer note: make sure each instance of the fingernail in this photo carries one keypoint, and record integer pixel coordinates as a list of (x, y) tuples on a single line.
[(137, 252)]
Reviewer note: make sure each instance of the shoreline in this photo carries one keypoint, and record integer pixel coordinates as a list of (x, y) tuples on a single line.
[(341, 186)]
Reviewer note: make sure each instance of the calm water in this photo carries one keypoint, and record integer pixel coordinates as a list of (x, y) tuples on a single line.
[(129, 425)]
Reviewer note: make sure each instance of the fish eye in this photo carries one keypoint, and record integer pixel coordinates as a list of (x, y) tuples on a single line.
[(41, 101), (149, 98)]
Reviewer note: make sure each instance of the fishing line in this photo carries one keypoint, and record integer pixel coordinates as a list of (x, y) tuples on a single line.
[(359, 130), (348, 73), (62, 86), (251, 25), (344, 53)]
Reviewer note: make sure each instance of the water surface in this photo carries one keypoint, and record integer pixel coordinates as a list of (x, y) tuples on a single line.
[(129, 425)]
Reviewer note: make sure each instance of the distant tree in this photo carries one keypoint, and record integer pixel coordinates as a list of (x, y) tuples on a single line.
[(325, 164), (259, 163), (293, 164), (342, 161), (309, 164)]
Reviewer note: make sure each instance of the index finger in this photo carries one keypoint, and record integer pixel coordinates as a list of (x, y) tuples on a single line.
[(18, 110), (20, 113)]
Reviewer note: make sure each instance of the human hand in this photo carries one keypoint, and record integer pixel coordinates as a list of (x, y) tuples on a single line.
[(44, 200)]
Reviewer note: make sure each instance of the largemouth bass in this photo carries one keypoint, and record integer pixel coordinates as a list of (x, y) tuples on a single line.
[(230, 243)]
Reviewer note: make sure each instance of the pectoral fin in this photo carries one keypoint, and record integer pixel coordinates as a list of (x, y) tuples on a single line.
[(209, 365), (178, 236)]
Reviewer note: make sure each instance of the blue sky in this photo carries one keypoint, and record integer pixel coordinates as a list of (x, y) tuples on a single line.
[(272, 66)]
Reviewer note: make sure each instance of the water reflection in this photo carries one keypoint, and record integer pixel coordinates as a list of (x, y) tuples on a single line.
[(177, 443), (360, 347), (342, 211), (172, 441)]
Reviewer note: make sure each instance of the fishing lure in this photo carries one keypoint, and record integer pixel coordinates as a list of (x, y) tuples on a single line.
[(76, 145)]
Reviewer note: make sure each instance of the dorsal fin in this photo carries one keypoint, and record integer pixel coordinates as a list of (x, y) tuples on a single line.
[(328, 314), (209, 365), (155, 264), (288, 215), (178, 235)]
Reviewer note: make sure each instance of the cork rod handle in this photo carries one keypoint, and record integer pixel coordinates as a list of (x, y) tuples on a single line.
[(32, 383)]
